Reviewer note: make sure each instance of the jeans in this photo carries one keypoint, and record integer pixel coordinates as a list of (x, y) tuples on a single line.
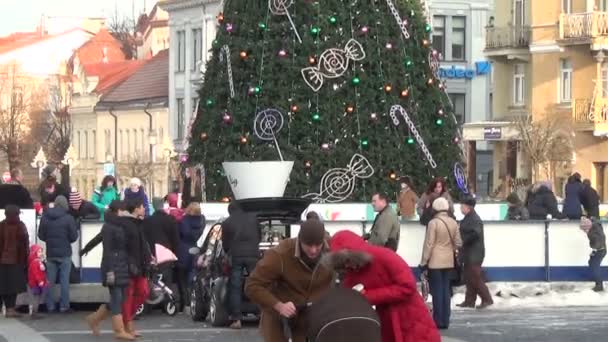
[(117, 298), (63, 266), (235, 293), (440, 288), (184, 277), (595, 262), (136, 294)]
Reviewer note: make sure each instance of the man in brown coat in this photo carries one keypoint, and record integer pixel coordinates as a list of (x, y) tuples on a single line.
[(406, 202), (287, 276)]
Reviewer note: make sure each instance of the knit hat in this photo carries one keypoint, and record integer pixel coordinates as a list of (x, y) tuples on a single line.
[(75, 199), (61, 202), (312, 232), (441, 204), (586, 224)]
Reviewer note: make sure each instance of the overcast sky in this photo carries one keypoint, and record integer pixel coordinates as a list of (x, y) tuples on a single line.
[(24, 15)]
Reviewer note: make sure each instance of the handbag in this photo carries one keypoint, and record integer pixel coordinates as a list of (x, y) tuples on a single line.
[(457, 276)]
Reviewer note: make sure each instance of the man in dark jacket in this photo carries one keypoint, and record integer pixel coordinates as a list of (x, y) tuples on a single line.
[(241, 235), (58, 229), (572, 202), (597, 241), (15, 193), (542, 202), (590, 200), (473, 253), (161, 228)]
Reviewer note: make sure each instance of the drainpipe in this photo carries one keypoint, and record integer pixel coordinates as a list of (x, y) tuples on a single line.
[(151, 146), (111, 111)]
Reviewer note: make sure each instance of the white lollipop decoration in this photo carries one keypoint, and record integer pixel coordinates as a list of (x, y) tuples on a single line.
[(267, 124), (280, 7)]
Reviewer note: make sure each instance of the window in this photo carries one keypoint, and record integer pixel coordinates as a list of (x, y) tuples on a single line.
[(181, 50), (78, 146), (135, 148), (519, 77), (605, 78), (458, 38), (108, 139), (128, 145), (94, 144), (197, 46), (122, 145), (567, 6), (519, 13), (143, 142), (565, 94), (181, 109), (439, 34), (459, 102), (86, 145), (603, 5)]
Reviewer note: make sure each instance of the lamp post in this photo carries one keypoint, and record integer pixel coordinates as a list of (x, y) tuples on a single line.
[(39, 162)]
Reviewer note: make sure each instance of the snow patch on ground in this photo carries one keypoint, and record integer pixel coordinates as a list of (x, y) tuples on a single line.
[(535, 295)]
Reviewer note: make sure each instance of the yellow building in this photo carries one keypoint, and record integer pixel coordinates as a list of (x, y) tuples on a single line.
[(548, 63)]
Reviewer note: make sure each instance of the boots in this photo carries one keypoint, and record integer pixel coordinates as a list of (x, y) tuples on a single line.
[(94, 319), (130, 328), (599, 287), (119, 329)]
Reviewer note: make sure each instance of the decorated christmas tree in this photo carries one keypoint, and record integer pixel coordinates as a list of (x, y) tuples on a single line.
[(347, 89)]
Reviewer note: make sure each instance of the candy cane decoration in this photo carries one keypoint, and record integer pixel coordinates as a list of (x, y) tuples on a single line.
[(225, 53)]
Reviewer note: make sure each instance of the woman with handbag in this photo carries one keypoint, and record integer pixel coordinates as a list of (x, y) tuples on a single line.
[(114, 273), (439, 259)]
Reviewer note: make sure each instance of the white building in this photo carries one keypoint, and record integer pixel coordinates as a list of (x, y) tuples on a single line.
[(459, 36), (192, 27)]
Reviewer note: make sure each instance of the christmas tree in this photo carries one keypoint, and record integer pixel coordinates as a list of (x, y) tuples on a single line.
[(323, 81)]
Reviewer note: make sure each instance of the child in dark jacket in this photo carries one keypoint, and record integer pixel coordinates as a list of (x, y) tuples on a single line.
[(597, 241), (36, 278)]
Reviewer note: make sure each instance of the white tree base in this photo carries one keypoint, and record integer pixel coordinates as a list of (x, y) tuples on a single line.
[(258, 179)]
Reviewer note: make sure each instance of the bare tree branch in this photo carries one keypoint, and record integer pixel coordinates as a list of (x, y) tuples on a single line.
[(123, 29), (58, 141)]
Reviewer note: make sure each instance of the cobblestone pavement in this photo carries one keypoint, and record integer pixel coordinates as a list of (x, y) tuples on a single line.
[(538, 325)]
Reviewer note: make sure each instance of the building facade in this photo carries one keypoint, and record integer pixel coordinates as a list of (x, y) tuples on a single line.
[(459, 37), (152, 34), (192, 27), (549, 64)]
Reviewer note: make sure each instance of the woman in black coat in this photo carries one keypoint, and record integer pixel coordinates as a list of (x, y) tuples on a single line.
[(114, 273)]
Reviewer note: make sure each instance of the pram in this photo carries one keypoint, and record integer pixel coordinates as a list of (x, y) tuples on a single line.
[(340, 315), (161, 294)]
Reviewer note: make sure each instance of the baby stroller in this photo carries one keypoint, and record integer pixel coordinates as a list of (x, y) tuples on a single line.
[(340, 315), (161, 294)]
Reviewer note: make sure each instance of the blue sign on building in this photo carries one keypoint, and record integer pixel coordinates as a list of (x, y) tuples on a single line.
[(481, 68)]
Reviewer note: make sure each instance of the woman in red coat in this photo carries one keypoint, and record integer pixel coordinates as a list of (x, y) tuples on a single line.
[(388, 284)]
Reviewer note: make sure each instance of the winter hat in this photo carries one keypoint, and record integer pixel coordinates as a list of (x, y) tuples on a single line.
[(135, 181), (586, 224), (441, 204), (513, 198), (61, 202), (312, 232), (75, 199)]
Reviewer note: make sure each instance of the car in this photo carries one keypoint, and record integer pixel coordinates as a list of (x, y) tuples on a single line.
[(208, 297)]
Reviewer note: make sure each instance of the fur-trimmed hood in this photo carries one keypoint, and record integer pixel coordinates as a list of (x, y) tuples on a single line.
[(347, 248)]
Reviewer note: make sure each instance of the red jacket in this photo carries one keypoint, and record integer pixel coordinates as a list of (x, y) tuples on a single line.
[(173, 210), (36, 272), (391, 287)]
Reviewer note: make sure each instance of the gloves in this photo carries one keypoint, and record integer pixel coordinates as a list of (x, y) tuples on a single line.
[(82, 253), (423, 268)]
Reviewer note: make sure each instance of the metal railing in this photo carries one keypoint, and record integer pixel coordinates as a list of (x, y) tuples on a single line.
[(508, 37), (583, 25)]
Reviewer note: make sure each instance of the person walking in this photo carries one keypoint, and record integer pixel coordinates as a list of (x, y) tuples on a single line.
[(190, 229), (597, 241), (517, 211), (136, 191), (14, 242), (386, 229), (58, 229), (289, 275), (388, 283), (590, 200), (572, 203), (241, 235), (473, 253), (139, 259), (15, 193), (114, 274), (406, 202), (441, 244), (36, 278), (439, 187), (105, 194)]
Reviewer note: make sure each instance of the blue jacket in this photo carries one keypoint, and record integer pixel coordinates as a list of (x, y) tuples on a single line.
[(572, 203), (58, 229), (190, 230)]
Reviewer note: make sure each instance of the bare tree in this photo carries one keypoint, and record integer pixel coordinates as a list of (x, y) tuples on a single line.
[(547, 143), (123, 29), (20, 96), (60, 122), (138, 166)]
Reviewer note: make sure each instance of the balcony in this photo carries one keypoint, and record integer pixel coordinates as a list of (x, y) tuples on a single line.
[(583, 27), (507, 40), (591, 117)]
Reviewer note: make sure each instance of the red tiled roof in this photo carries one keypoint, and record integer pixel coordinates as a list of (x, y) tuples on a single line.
[(103, 44), (150, 81), (112, 75), (23, 39)]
